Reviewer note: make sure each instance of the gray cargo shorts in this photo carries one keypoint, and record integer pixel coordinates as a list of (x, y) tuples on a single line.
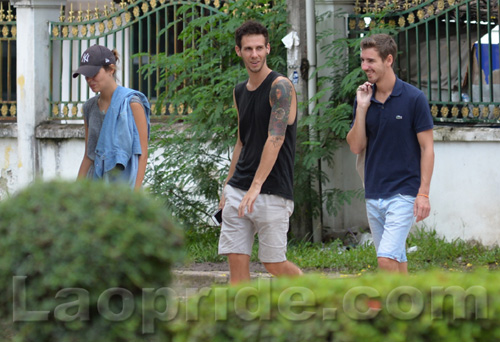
[(269, 219)]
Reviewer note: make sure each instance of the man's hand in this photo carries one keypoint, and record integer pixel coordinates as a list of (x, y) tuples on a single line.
[(248, 200), (421, 208), (364, 94), (222, 201)]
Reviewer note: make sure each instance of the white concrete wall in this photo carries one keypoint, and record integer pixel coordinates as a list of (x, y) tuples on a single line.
[(59, 149), (61, 158), (9, 166), (465, 187)]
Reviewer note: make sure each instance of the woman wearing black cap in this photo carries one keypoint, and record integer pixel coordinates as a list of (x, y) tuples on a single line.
[(116, 122)]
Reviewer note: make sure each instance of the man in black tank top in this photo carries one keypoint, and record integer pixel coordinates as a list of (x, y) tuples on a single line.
[(258, 192)]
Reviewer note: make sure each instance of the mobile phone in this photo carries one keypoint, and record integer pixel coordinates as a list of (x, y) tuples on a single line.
[(217, 217)]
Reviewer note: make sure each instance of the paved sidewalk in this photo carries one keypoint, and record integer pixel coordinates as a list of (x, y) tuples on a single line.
[(187, 279), (197, 279)]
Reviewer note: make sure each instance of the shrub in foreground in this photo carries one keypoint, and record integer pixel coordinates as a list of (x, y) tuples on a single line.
[(76, 260), (424, 307)]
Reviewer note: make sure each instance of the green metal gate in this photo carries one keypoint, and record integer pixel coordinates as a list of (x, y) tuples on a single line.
[(449, 49), (138, 30)]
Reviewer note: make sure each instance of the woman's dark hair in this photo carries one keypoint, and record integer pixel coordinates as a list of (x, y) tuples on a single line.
[(115, 68)]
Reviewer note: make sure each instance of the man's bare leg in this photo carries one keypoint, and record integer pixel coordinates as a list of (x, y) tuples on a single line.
[(282, 268), (391, 265), (239, 267)]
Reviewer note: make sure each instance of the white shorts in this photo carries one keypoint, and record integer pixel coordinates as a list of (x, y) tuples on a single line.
[(269, 219)]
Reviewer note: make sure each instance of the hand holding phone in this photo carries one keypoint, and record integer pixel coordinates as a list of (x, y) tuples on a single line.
[(217, 217)]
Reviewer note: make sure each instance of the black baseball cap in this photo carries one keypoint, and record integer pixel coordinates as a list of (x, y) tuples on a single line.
[(93, 59)]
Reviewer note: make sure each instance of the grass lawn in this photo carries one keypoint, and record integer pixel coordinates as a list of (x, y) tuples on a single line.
[(433, 252)]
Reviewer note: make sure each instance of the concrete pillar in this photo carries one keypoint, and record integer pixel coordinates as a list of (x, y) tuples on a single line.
[(297, 21), (301, 223), (33, 78), (343, 175)]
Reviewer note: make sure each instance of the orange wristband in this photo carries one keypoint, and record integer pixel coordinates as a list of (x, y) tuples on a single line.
[(423, 195)]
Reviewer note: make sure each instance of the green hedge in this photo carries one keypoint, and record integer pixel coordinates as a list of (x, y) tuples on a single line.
[(375, 307), (75, 260)]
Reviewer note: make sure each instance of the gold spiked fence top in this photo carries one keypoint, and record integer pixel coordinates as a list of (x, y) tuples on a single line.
[(75, 23), (7, 15), (409, 12)]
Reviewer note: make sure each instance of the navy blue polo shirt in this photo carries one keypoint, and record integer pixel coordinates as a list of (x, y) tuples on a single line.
[(392, 162)]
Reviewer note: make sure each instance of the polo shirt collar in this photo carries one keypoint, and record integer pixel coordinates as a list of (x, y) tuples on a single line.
[(396, 91)]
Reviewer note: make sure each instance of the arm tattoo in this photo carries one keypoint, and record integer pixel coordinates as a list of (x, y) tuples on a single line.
[(281, 102)]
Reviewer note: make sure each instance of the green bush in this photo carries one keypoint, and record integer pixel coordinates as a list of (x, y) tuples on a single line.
[(426, 307), (83, 252)]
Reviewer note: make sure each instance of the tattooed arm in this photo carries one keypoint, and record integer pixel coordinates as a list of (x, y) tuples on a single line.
[(283, 103)]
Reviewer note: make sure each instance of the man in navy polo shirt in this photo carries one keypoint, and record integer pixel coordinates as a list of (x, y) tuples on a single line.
[(393, 126)]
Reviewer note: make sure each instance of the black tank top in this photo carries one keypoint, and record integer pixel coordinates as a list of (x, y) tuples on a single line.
[(254, 114)]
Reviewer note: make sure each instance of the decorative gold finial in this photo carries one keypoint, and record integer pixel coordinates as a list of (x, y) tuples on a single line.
[(411, 18), (444, 111), (4, 110), (96, 9), (88, 16), (9, 16), (465, 111), (13, 110), (357, 8), (485, 112), (496, 112), (61, 15), (79, 18), (71, 17), (402, 22), (440, 5), (434, 110), (2, 16), (430, 10)]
